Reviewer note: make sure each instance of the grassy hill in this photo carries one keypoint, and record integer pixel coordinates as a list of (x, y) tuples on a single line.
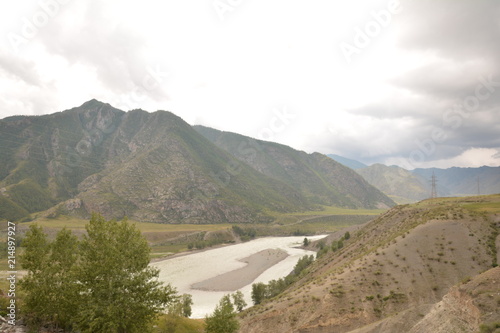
[(393, 274)]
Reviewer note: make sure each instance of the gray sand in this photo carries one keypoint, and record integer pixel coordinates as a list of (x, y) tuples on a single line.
[(234, 280)]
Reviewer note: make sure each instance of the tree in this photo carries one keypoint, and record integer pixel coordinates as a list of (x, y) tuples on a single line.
[(306, 242), (223, 319), (239, 301), (347, 235), (51, 294), (181, 306), (62, 273), (119, 291), (187, 302), (259, 291), (35, 284), (100, 284)]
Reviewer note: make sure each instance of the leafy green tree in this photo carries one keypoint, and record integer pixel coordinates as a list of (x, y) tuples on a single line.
[(187, 303), (239, 301), (259, 291), (223, 319), (347, 235), (51, 291), (306, 242), (181, 306), (303, 263), (61, 271), (119, 291), (101, 284), (36, 285)]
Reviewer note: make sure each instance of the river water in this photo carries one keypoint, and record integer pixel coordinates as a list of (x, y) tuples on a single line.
[(183, 271)]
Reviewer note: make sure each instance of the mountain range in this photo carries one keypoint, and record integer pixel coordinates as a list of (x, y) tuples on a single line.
[(405, 186), (156, 167)]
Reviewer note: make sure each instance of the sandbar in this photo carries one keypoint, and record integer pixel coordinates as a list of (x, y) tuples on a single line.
[(257, 264)]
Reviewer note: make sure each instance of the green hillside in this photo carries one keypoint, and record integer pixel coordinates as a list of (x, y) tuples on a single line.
[(319, 178)]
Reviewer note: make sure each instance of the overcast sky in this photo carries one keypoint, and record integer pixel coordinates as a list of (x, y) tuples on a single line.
[(412, 83)]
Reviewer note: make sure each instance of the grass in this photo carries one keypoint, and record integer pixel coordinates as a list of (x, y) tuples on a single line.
[(79, 224), (492, 207), (330, 210)]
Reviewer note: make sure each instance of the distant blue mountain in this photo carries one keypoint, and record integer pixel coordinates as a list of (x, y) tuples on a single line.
[(464, 181), (353, 164)]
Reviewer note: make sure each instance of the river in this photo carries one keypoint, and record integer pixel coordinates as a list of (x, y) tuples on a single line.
[(184, 271)]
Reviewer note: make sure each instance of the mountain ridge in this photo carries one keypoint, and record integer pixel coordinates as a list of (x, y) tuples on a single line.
[(315, 175), (147, 166), (407, 186)]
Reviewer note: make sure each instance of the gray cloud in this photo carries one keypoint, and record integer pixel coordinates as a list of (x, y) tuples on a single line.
[(460, 30), (461, 38), (19, 69), (108, 46)]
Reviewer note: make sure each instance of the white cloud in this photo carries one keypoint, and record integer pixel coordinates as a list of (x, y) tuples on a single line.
[(231, 74)]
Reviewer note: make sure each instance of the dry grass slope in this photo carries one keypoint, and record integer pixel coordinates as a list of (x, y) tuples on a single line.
[(399, 266)]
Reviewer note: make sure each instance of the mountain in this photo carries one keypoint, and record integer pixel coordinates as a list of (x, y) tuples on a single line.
[(405, 186), (147, 166), (353, 164), (317, 177), (464, 181), (426, 267), (401, 185)]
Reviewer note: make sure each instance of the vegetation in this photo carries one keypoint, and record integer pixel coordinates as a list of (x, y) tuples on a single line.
[(336, 245), (168, 323), (50, 286), (223, 319), (489, 328), (238, 301), (262, 291), (100, 284), (181, 307), (492, 244), (245, 233)]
